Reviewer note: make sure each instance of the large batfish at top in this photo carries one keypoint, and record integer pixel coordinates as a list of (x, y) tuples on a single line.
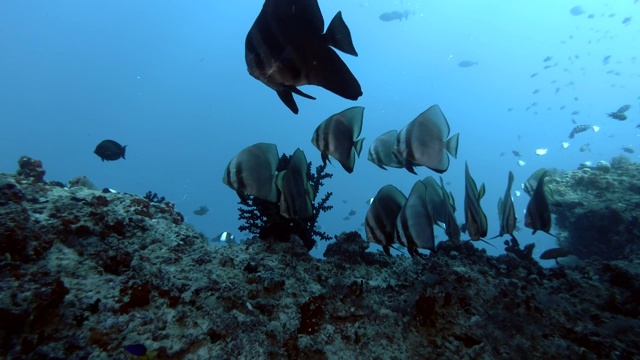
[(286, 48)]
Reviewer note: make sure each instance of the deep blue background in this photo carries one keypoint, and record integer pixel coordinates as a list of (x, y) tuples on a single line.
[(168, 79)]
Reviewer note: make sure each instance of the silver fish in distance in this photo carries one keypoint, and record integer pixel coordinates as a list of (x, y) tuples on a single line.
[(425, 141), (286, 48), (252, 171), (337, 136)]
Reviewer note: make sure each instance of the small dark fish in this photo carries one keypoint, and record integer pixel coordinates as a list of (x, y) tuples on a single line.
[(585, 147), (548, 58), (547, 67), (638, 126), (467, 63), (618, 116), (575, 112), (557, 90), (394, 15), (346, 218), (579, 129), (536, 91), (573, 121), (628, 149), (624, 108), (591, 16), (136, 349), (352, 212), (110, 150), (554, 254), (534, 75), (202, 210), (606, 59), (286, 48), (510, 109), (577, 11), (562, 107), (516, 153)]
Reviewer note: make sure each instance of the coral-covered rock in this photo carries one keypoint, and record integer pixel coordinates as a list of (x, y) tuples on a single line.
[(598, 213), (31, 169), (85, 274)]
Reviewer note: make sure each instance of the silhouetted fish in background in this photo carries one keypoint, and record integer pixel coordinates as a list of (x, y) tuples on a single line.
[(110, 150), (286, 48), (394, 15), (467, 63), (538, 214)]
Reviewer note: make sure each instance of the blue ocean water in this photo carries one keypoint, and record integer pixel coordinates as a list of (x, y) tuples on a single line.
[(168, 79)]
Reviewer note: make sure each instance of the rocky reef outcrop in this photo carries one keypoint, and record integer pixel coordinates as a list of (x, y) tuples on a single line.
[(86, 273), (597, 210)]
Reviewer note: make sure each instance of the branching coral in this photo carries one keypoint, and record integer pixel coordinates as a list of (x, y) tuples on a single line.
[(263, 218)]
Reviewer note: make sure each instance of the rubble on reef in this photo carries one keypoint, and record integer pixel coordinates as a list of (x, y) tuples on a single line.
[(597, 210), (87, 274)]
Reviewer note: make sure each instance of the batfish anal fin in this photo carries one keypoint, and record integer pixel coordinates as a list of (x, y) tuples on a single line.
[(287, 98), (326, 69)]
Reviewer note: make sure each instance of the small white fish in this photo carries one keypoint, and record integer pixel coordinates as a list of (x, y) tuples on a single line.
[(565, 144), (541, 151), (521, 163), (517, 192), (596, 128)]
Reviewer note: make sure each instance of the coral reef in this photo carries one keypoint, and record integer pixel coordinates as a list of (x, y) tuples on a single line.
[(154, 198), (263, 218), (598, 210), (93, 275)]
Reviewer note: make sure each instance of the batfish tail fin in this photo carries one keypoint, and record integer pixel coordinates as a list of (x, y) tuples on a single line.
[(452, 145), (339, 36)]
